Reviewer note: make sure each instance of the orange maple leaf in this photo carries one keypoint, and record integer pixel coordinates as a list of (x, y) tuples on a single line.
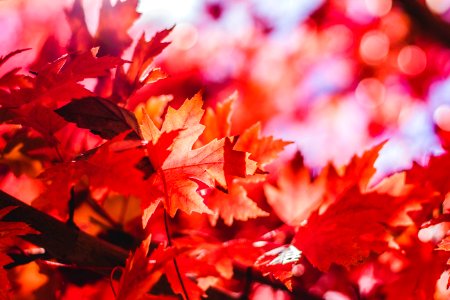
[(297, 193), (218, 120), (234, 204), (180, 167), (349, 230), (359, 170), (263, 149)]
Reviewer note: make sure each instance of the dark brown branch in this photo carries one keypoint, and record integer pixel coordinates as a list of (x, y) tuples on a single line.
[(64, 243), (430, 24)]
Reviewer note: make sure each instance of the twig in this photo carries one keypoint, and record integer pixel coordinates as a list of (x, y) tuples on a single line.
[(58, 153), (169, 242)]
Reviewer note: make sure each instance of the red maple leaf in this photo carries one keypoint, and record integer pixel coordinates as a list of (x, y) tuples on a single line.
[(58, 81), (41, 119), (133, 83), (208, 262), (233, 205), (143, 270), (210, 257), (433, 175), (263, 149), (115, 166), (361, 168), (359, 171), (418, 268), (144, 54), (348, 230), (32, 105), (81, 39), (112, 33)]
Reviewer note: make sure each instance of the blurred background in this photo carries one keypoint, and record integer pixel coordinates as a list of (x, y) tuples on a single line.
[(333, 76)]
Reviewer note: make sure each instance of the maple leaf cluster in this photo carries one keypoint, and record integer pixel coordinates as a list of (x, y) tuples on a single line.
[(189, 198)]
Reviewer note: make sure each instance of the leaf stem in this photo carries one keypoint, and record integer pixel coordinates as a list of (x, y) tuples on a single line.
[(111, 280), (169, 242), (58, 153)]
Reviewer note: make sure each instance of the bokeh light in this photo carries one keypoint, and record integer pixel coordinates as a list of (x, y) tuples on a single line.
[(184, 36), (374, 47), (370, 92), (412, 60), (441, 117), (378, 8), (438, 6)]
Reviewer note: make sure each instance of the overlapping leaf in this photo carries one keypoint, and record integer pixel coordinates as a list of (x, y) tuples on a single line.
[(234, 204), (263, 149), (114, 166), (32, 104)]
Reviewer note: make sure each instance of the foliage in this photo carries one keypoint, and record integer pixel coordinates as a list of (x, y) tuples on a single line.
[(135, 147)]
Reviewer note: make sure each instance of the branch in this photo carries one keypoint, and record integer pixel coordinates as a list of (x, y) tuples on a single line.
[(64, 243), (429, 23)]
